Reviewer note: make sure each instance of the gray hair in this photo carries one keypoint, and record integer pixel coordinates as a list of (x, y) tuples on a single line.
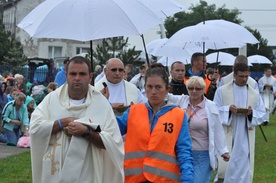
[(196, 79)]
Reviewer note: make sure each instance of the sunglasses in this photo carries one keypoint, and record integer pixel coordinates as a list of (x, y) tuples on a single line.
[(194, 88), (117, 69)]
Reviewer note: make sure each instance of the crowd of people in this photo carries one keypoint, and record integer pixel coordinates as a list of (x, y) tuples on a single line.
[(149, 127), (17, 102)]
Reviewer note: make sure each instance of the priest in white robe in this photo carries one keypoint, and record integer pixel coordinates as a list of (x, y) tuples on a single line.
[(241, 110), (74, 133), (267, 86), (230, 77), (122, 92)]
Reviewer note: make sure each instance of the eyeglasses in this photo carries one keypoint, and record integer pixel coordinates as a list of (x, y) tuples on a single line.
[(117, 69), (194, 88)]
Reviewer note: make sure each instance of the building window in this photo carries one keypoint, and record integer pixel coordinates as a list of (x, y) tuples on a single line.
[(54, 51), (82, 50)]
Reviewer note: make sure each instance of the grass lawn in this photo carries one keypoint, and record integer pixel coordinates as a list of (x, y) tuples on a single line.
[(265, 154), (17, 169)]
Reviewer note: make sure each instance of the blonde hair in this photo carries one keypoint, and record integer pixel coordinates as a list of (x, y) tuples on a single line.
[(196, 79), (18, 76)]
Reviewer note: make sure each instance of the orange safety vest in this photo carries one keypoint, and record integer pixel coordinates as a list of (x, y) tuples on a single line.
[(206, 80), (151, 156)]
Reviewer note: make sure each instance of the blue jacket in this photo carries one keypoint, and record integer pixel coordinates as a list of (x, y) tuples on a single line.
[(9, 113), (60, 77), (3, 99), (182, 145)]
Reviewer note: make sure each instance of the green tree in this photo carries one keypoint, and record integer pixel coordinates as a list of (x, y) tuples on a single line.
[(4, 42), (129, 56), (114, 47), (11, 51), (15, 57)]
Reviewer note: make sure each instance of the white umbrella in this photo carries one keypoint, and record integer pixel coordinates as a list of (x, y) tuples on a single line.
[(163, 8), (240, 31), (156, 48), (86, 20), (205, 37), (224, 59), (168, 61), (153, 46), (258, 59), (221, 57)]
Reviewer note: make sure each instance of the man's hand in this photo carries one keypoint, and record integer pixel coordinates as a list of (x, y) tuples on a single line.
[(116, 105), (249, 111), (76, 129), (105, 92), (64, 123), (233, 109), (268, 85), (226, 157)]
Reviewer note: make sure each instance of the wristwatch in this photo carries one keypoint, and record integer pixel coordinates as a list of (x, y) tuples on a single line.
[(86, 134)]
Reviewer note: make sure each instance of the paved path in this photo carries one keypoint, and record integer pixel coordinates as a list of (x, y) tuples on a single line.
[(6, 151)]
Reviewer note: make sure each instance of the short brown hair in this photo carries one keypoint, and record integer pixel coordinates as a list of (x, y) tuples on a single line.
[(53, 86), (196, 56)]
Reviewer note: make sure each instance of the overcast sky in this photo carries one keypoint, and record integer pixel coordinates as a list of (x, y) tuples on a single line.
[(257, 14)]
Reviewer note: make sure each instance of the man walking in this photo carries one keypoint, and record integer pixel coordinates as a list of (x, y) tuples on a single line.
[(267, 86), (241, 109), (177, 83), (199, 64), (74, 133)]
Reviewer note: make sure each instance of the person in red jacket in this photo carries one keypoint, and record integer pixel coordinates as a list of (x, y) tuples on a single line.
[(157, 142)]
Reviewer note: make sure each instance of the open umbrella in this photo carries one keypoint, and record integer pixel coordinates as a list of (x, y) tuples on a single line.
[(168, 61), (163, 8), (223, 58), (258, 59), (156, 48), (205, 37), (86, 20), (243, 34)]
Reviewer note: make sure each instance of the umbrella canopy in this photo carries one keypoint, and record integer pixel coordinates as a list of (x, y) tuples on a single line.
[(154, 45), (204, 36), (85, 20), (258, 59), (163, 8), (156, 48), (168, 61), (225, 59), (243, 34)]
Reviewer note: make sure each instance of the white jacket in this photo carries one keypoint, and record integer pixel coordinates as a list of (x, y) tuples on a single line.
[(217, 141)]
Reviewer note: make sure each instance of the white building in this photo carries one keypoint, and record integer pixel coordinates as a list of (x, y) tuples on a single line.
[(15, 11)]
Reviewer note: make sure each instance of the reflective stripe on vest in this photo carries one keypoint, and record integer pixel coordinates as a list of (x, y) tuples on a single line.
[(162, 156), (150, 169), (146, 157), (162, 173)]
